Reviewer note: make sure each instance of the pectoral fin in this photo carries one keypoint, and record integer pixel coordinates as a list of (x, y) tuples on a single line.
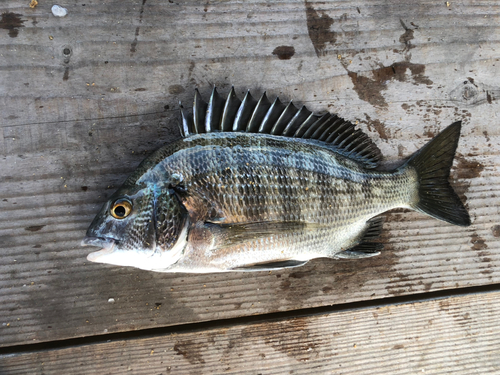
[(225, 235)]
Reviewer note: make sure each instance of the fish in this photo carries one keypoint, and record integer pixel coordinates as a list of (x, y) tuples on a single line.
[(256, 185)]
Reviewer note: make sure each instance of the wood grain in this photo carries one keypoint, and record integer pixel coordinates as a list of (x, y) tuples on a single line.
[(446, 336), (84, 98)]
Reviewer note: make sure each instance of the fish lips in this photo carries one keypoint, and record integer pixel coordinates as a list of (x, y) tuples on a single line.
[(107, 245)]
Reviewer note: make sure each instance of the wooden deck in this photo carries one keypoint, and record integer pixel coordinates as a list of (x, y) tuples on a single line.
[(84, 98)]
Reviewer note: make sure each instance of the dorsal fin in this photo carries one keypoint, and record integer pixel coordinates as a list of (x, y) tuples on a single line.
[(281, 119)]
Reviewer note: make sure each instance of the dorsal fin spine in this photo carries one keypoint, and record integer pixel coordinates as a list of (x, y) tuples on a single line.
[(244, 111), (285, 118), (318, 123), (323, 128), (331, 129), (258, 114), (303, 127), (214, 112), (350, 136), (185, 128), (272, 115), (230, 109), (298, 119), (199, 112), (336, 137)]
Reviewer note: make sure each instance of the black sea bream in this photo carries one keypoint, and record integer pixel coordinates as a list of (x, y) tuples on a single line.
[(257, 185)]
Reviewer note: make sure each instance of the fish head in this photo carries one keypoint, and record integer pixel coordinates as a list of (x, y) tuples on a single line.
[(140, 226)]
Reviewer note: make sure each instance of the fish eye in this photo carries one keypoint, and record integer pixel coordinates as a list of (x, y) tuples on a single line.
[(121, 208)]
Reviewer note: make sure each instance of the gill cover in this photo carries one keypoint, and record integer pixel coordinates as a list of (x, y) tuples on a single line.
[(151, 236)]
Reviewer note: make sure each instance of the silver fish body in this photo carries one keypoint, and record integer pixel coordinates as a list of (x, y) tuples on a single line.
[(231, 197)]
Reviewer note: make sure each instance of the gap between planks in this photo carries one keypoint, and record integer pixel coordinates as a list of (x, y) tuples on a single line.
[(247, 320)]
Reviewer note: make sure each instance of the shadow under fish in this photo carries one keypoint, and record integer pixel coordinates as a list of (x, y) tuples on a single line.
[(260, 185)]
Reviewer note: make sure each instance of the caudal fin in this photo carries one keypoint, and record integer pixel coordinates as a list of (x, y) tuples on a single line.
[(432, 163)]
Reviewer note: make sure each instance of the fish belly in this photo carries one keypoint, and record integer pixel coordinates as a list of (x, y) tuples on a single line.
[(299, 246)]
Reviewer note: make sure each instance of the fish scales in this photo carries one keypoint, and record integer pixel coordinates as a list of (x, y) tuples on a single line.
[(255, 195), (317, 185)]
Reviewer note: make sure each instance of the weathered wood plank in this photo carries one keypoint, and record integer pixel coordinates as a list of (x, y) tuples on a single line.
[(457, 335), (75, 124)]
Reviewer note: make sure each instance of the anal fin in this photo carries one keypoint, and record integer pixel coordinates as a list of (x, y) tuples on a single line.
[(269, 266), (366, 248), (363, 250), (374, 228)]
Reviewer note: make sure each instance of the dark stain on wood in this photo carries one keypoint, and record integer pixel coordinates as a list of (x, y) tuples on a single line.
[(298, 275), (406, 37), (399, 289), (479, 245), (485, 133), (12, 22), (175, 89), (326, 289), (488, 97), (398, 346), (318, 27), (34, 228), (466, 169), (430, 131), (133, 46), (232, 345), (487, 271), (462, 318), (284, 52), (477, 242), (237, 305), (495, 230), (190, 351), (66, 74), (291, 337), (370, 89), (444, 305), (378, 126), (428, 286)]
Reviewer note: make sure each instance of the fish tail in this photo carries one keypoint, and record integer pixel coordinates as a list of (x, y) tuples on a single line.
[(432, 163)]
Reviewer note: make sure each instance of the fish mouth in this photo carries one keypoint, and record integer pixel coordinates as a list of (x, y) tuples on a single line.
[(107, 245)]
